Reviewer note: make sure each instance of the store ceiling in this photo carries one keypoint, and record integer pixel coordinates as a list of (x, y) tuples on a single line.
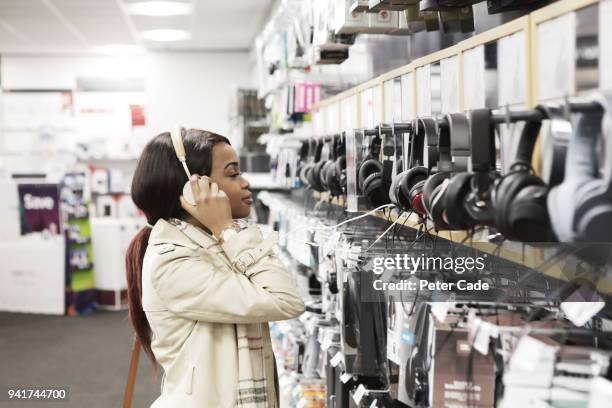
[(75, 26)]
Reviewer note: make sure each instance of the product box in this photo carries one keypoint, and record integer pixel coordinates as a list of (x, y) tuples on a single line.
[(460, 376), (32, 276), (347, 21), (111, 238), (382, 22)]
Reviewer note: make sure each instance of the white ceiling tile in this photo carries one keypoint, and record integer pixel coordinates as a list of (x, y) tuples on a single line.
[(30, 26)]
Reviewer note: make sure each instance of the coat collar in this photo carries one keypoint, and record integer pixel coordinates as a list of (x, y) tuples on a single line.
[(178, 232)]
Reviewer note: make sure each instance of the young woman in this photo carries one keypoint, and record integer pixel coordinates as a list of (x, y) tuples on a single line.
[(201, 289)]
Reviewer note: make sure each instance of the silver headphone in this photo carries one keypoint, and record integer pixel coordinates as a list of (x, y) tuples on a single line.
[(589, 216)]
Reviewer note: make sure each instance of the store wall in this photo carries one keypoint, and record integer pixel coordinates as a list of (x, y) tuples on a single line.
[(194, 89)]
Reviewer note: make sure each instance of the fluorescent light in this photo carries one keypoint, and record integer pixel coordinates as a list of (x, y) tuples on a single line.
[(159, 8), (118, 49), (165, 35)]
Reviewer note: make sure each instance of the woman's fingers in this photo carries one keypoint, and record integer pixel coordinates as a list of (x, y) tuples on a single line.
[(205, 183), (195, 186), (214, 189)]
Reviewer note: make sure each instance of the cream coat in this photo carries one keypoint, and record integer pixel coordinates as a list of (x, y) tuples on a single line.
[(193, 296)]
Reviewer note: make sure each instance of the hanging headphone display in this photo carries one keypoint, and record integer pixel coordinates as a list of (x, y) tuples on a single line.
[(314, 173), (370, 176), (304, 164), (467, 198), (558, 131), (590, 216), (423, 154), (177, 142), (335, 173), (454, 150), (519, 197)]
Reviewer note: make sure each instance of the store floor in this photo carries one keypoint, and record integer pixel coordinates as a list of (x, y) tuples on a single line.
[(89, 354)]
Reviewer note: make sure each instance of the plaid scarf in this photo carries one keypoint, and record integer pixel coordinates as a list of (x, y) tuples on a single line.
[(252, 384)]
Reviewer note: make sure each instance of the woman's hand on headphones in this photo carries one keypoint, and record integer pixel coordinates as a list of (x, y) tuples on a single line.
[(212, 206)]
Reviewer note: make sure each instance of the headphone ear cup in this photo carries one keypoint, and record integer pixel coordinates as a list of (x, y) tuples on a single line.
[(454, 202), (437, 205), (593, 212), (501, 198), (560, 211), (431, 183), (524, 216), (333, 179), (375, 191), (393, 189), (368, 167), (527, 215), (324, 171), (308, 174), (416, 198), (413, 176), (315, 176), (302, 173), (480, 207)]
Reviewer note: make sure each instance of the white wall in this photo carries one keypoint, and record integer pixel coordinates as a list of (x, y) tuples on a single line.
[(194, 89)]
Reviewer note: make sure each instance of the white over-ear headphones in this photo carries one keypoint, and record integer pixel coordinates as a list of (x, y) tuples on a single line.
[(179, 149)]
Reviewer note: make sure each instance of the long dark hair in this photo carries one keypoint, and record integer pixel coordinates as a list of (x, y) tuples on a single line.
[(156, 187)]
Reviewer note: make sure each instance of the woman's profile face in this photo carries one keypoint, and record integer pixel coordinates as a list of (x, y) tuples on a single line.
[(226, 173)]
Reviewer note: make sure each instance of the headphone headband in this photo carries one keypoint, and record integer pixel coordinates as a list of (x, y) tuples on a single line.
[(177, 142), (527, 140), (482, 141), (605, 100), (459, 133), (582, 157), (426, 131)]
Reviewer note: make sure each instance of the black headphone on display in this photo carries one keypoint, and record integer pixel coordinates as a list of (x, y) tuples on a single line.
[(423, 155), (467, 197), (454, 150), (519, 197), (336, 172), (313, 173), (327, 165), (370, 176)]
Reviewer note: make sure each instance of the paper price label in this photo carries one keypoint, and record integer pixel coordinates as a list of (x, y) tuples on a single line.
[(345, 377), (440, 310), (336, 359), (359, 393)]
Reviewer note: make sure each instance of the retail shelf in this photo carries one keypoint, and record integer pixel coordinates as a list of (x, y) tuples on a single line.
[(530, 255)]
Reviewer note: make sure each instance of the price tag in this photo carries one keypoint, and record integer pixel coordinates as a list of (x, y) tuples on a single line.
[(530, 353), (440, 310), (374, 403), (482, 337), (580, 313), (359, 393), (345, 377), (336, 359)]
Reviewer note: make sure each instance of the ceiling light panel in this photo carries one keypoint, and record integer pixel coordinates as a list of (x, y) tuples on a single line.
[(159, 8)]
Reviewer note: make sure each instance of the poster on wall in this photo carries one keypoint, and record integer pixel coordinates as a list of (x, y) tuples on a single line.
[(39, 208)]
